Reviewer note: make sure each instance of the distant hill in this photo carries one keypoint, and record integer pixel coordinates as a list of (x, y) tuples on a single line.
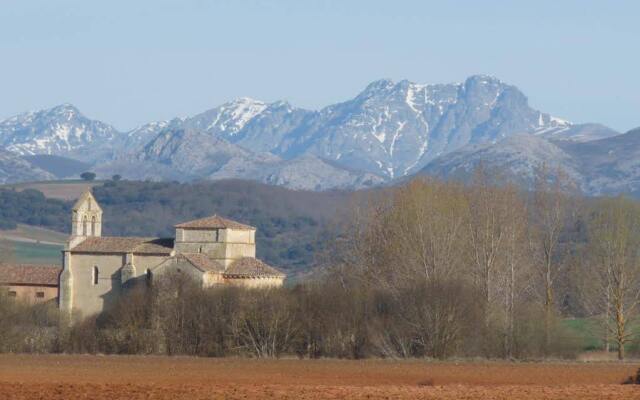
[(606, 166), (60, 167), (14, 168)]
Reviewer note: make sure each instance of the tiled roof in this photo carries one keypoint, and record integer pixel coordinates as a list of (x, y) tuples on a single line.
[(138, 245), (202, 262), (29, 274), (214, 222), (250, 267)]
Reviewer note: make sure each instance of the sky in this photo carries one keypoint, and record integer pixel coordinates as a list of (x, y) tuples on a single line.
[(132, 62)]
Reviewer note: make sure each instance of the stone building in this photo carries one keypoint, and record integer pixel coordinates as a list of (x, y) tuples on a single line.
[(97, 269), (30, 283)]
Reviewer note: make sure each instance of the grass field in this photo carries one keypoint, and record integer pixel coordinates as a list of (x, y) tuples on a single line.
[(64, 190), (31, 245), (121, 377), (30, 253), (587, 330)]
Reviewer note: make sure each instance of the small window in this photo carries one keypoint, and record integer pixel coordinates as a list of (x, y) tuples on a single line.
[(40, 295), (96, 275), (12, 293), (149, 277), (216, 235)]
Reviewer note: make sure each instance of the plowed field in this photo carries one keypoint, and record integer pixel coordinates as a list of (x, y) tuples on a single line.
[(107, 377)]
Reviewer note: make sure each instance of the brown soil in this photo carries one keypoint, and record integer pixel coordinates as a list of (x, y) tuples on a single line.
[(112, 377)]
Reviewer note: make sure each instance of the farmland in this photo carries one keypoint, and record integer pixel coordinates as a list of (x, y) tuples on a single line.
[(31, 245), (63, 190), (119, 377)]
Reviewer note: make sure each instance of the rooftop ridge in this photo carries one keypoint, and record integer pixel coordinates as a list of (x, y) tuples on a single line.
[(87, 194), (214, 222)]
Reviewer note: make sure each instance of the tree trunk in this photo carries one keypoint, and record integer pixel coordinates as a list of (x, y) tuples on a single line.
[(548, 311), (620, 330)]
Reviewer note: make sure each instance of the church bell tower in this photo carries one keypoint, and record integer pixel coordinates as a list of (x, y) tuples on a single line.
[(86, 217)]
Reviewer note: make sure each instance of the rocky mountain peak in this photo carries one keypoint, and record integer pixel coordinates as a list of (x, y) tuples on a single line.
[(389, 130)]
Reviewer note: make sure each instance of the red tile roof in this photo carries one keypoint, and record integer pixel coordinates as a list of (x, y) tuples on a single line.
[(249, 267), (214, 222), (203, 262), (29, 274), (137, 245)]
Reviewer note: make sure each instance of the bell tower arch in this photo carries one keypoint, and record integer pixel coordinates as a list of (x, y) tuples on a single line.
[(86, 217)]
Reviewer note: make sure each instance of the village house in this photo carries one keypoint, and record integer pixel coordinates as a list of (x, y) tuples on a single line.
[(97, 269), (30, 283)]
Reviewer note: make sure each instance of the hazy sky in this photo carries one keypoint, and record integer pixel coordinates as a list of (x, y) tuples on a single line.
[(130, 62)]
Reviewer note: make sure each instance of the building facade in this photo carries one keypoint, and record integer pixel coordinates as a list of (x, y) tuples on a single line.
[(98, 269), (30, 283)]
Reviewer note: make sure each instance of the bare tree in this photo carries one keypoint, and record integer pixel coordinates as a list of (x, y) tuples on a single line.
[(548, 220), (614, 240), (266, 326)]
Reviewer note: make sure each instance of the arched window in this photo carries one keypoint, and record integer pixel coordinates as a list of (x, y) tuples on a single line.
[(84, 226), (93, 225), (96, 275)]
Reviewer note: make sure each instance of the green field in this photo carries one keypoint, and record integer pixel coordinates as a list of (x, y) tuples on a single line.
[(30, 253), (588, 330), (31, 245)]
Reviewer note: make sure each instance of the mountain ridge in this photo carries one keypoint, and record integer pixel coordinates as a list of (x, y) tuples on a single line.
[(387, 131)]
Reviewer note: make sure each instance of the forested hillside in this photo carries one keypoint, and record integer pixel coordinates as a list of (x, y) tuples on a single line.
[(32, 207), (292, 225)]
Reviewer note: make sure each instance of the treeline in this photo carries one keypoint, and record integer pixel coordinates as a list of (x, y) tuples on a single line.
[(330, 317), (426, 269), (33, 208)]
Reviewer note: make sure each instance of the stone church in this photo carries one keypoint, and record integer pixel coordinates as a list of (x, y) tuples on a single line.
[(212, 250)]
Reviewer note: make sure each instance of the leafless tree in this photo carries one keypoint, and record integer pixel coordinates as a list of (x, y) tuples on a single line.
[(549, 213), (614, 240)]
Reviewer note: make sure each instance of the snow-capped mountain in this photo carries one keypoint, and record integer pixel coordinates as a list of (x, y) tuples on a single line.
[(61, 130), (186, 154), (390, 130), (394, 129), (138, 137)]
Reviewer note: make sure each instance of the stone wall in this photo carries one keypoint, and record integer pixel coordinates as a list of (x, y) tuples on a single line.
[(32, 294)]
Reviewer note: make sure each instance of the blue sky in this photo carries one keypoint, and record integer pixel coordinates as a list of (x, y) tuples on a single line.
[(131, 62)]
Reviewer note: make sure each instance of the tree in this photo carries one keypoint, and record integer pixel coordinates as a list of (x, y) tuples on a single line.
[(613, 243), (496, 230), (116, 178), (516, 272), (88, 176), (548, 220)]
